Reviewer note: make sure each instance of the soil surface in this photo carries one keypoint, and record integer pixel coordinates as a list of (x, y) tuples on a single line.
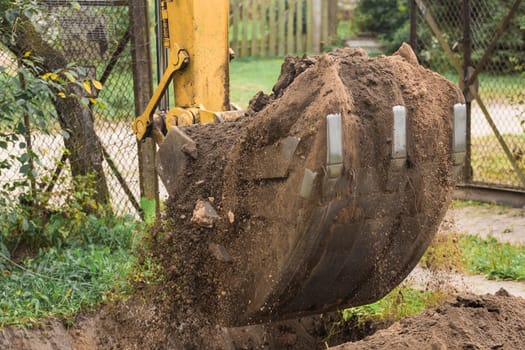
[(468, 322)]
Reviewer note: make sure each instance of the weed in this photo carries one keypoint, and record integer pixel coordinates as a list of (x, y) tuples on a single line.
[(60, 282), (56, 260), (399, 303), (466, 253), (495, 259)]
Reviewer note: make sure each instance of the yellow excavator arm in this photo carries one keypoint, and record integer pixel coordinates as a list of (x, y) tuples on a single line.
[(196, 34)]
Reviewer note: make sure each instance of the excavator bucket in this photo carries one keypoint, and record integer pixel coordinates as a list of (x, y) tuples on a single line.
[(324, 196)]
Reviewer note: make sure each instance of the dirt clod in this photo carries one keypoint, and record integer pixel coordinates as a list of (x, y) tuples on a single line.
[(204, 214)]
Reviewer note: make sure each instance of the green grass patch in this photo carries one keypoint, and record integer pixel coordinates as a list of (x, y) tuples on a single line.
[(69, 262), (399, 303), (494, 259), (444, 254), (491, 165), (60, 282), (472, 254), (249, 76)]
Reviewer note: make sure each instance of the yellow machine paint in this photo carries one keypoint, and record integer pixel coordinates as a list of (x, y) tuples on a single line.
[(196, 33)]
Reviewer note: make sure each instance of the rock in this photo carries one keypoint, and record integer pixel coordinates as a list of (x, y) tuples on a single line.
[(220, 253), (204, 214), (190, 149), (231, 217)]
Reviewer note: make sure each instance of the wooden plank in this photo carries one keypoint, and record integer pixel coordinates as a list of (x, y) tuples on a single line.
[(324, 24), (290, 47), (244, 31), (299, 29), (263, 24), (316, 26), (281, 35), (309, 27), (254, 10), (235, 27), (272, 47)]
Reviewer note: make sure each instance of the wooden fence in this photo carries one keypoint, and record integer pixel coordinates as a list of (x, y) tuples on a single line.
[(278, 27)]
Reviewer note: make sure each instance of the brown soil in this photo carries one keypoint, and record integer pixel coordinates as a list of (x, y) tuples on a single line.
[(469, 322)]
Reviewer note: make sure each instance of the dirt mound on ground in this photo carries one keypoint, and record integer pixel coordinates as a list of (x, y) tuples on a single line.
[(469, 322)]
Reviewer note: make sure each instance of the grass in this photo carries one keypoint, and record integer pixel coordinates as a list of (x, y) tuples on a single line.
[(61, 282), (494, 259), (505, 86), (491, 165), (472, 254), (249, 76), (444, 253), (81, 272), (399, 303)]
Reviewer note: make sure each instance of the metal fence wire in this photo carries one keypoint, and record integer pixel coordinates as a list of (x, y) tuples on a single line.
[(496, 32), (95, 36)]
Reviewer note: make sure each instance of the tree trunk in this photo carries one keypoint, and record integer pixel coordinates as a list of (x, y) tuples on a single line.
[(85, 151)]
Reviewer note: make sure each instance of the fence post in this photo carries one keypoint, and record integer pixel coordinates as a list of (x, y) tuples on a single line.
[(467, 62), (143, 89), (316, 26), (413, 25)]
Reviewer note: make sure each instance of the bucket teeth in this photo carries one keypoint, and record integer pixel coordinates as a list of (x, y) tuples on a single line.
[(334, 149)]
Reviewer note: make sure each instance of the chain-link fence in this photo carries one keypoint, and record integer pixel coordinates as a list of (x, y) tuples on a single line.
[(95, 36), (490, 36)]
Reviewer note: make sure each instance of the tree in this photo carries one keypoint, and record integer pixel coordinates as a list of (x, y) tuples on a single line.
[(19, 35)]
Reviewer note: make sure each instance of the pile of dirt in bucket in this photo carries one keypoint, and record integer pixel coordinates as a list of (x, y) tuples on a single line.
[(245, 242)]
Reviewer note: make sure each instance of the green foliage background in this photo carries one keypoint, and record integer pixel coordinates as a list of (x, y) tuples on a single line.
[(390, 20)]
